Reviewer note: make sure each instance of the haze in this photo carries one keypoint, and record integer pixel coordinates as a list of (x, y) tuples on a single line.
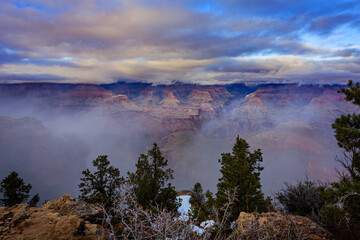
[(190, 75)]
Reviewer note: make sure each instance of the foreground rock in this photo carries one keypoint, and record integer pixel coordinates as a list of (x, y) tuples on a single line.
[(63, 218), (277, 226), (66, 205)]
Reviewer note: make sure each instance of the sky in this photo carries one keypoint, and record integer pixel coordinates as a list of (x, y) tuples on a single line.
[(168, 41)]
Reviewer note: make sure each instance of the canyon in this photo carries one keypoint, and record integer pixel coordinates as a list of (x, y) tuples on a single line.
[(46, 127)]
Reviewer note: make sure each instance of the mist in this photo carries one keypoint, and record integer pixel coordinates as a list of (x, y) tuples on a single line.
[(296, 140), (49, 144), (49, 148)]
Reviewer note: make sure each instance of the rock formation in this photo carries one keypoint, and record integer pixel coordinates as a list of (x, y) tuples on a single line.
[(170, 101), (67, 219), (63, 218), (291, 123), (276, 226)]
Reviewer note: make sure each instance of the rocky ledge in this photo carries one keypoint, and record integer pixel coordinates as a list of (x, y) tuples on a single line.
[(275, 225), (63, 218), (67, 219)]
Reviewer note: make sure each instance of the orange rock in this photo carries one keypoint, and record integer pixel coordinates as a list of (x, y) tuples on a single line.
[(269, 225), (25, 222)]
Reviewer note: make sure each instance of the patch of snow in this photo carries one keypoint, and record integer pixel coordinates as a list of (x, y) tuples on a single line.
[(207, 224), (184, 213), (184, 207), (198, 230)]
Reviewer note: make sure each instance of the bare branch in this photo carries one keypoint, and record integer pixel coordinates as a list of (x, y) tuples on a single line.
[(138, 223)]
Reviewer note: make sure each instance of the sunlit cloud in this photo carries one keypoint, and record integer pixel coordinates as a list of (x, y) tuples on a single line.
[(161, 42)]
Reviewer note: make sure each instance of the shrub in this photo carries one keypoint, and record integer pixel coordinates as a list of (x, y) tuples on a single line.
[(131, 221), (301, 198)]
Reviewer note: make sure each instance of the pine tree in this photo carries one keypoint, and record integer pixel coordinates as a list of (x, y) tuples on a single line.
[(34, 200), (241, 173), (197, 210), (149, 181), (197, 194), (209, 203), (102, 185), (14, 190), (347, 134), (341, 215)]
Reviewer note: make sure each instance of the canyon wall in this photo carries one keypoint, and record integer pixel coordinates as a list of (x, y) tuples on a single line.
[(47, 128)]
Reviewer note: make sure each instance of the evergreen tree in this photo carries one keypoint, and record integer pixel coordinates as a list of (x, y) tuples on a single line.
[(347, 190), (241, 173), (341, 214), (352, 92), (197, 194), (347, 134), (210, 202), (198, 210), (102, 185), (34, 200), (149, 181), (14, 190)]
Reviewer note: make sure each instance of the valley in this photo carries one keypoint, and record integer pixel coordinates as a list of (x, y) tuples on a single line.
[(193, 125)]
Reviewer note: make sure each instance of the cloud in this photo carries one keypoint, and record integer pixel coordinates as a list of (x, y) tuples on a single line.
[(326, 24), (285, 9), (324, 77), (8, 56), (160, 41), (347, 53), (31, 77), (50, 146), (50, 163)]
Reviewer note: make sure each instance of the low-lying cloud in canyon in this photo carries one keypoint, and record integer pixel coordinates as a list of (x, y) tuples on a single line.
[(50, 137)]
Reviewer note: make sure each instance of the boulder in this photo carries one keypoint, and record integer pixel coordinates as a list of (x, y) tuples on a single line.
[(66, 205), (63, 218), (275, 225)]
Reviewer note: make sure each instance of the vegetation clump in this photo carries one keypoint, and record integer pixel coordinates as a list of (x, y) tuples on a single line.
[(15, 191), (101, 185), (150, 181), (241, 175), (302, 198), (336, 206)]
